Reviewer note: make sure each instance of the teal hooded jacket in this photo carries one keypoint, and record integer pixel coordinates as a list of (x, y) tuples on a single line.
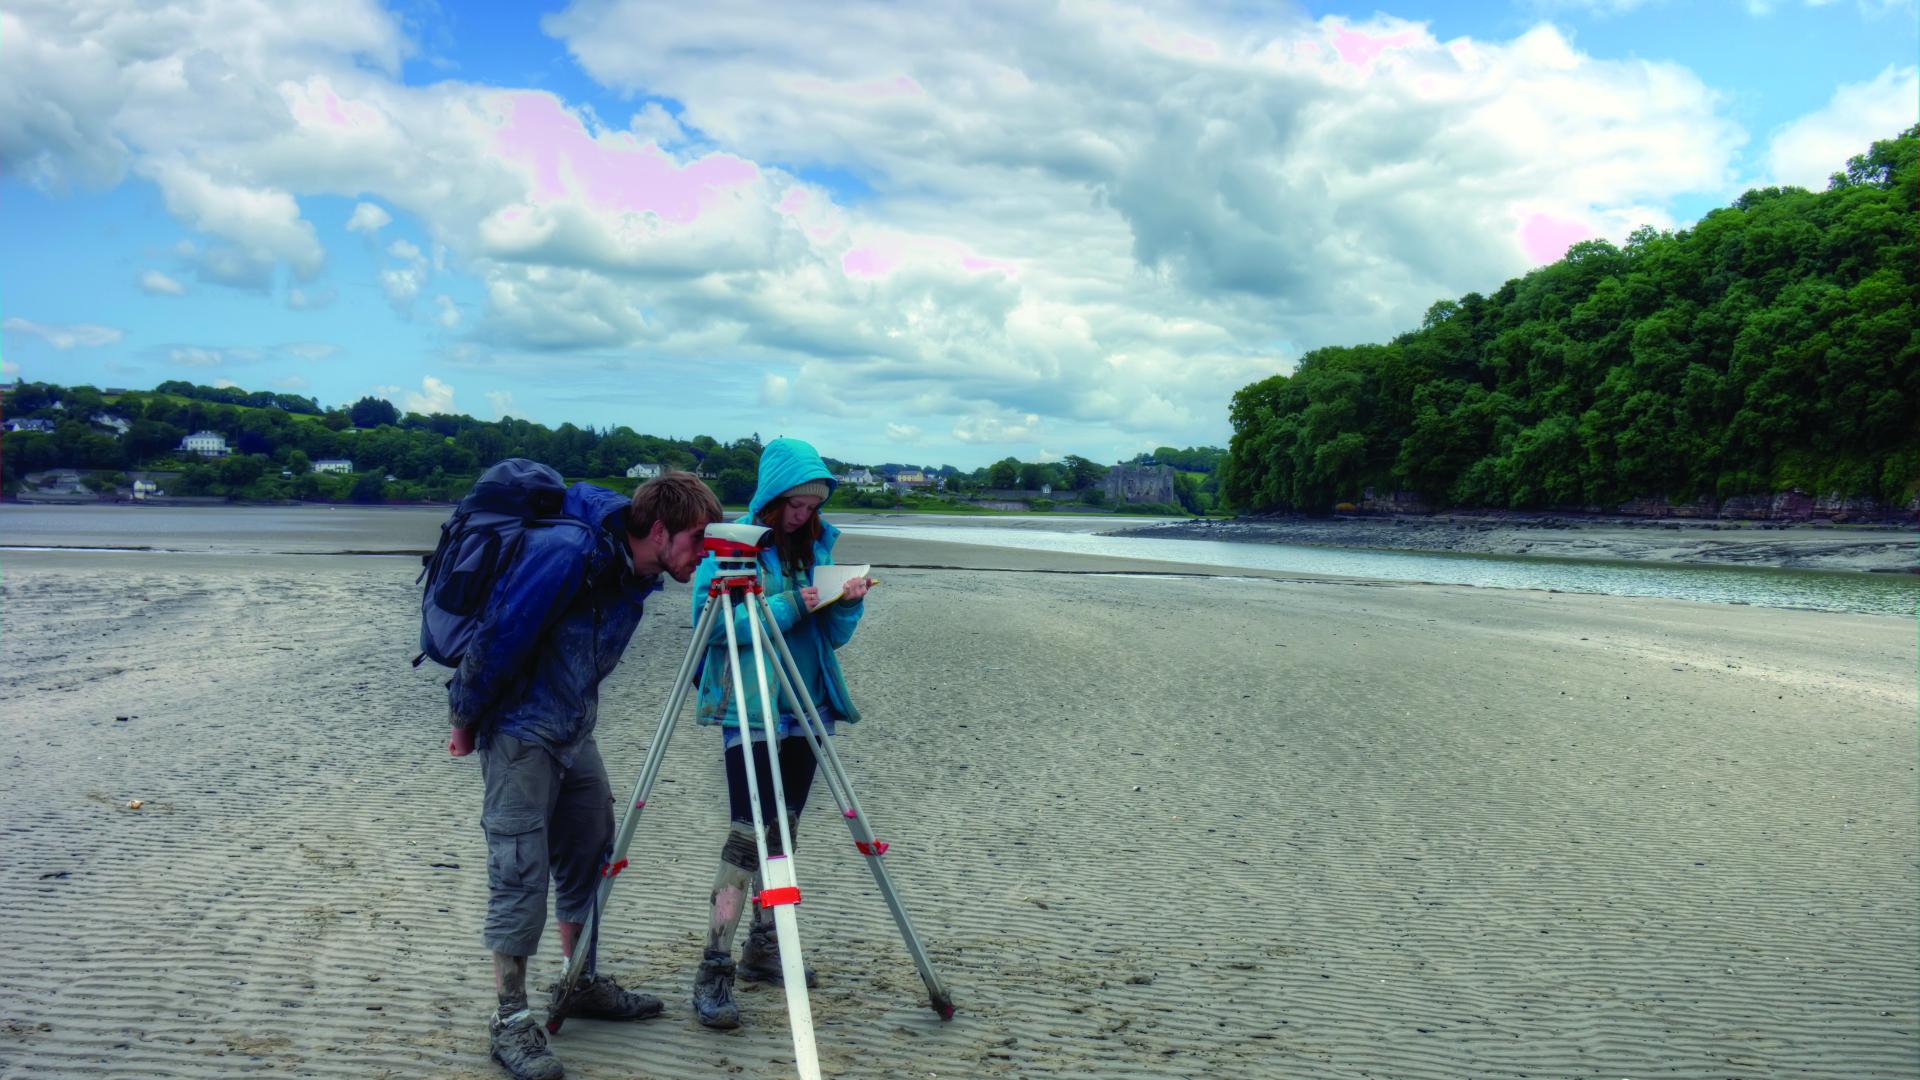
[(812, 637)]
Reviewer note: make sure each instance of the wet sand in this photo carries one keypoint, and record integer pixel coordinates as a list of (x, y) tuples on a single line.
[(1149, 825)]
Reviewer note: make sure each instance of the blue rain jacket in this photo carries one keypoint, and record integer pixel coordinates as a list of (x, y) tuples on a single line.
[(557, 624), (812, 637)]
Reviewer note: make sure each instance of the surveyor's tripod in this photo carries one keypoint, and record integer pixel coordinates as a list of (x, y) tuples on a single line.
[(736, 581)]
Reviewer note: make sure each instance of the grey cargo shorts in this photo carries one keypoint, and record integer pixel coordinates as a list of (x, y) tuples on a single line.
[(539, 819)]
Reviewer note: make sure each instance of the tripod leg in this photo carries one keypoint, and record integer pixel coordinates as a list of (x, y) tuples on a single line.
[(589, 940), (780, 889), (864, 840), (780, 881)]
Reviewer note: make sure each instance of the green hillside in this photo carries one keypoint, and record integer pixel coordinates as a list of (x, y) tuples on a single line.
[(1772, 346)]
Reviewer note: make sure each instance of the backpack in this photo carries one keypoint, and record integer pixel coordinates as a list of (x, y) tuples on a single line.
[(478, 543)]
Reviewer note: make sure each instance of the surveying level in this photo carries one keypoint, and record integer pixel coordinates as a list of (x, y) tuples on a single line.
[(736, 581)]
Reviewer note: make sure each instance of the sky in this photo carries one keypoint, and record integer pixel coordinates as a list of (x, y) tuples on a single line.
[(931, 232)]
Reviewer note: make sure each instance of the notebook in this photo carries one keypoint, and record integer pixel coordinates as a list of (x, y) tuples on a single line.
[(832, 580)]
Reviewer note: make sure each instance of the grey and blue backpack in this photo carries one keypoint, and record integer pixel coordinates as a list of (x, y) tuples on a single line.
[(478, 543)]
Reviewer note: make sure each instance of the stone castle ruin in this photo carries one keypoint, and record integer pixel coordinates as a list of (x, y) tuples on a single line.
[(1139, 484)]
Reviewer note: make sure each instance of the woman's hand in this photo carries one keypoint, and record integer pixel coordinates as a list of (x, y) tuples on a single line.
[(810, 598), (856, 589)]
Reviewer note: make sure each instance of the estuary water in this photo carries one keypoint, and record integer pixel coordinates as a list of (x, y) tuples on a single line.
[(402, 529), (1822, 590)]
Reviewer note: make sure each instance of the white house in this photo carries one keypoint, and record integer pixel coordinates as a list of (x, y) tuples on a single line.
[(108, 420), (30, 425), (205, 443), (645, 471), (333, 464), (860, 478)]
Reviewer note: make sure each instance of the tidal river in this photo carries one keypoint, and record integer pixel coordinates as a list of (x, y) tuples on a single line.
[(395, 530), (1822, 590)]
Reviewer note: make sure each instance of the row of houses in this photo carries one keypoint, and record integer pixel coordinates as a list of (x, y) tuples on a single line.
[(861, 479), (206, 444), (115, 424)]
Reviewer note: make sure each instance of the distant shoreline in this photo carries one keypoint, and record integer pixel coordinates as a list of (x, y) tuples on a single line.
[(1868, 548)]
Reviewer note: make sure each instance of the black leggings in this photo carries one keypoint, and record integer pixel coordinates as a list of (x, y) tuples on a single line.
[(796, 777)]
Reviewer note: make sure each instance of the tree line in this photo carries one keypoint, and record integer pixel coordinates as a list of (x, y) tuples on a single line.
[(428, 456), (275, 439), (1772, 346)]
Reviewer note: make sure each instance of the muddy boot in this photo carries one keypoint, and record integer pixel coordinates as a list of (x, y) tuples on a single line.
[(598, 997), (520, 1046), (760, 959), (713, 991)]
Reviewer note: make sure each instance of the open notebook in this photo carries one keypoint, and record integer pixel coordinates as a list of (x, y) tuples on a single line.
[(832, 581)]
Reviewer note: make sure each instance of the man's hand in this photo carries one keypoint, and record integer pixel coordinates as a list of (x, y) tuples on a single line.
[(856, 589), (810, 598), (460, 742)]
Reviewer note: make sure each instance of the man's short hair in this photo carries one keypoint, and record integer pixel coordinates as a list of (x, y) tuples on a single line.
[(678, 500)]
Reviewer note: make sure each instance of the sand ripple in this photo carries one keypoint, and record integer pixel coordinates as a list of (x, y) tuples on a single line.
[(1414, 832)]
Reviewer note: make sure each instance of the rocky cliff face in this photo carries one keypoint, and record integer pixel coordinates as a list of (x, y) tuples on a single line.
[(1793, 505)]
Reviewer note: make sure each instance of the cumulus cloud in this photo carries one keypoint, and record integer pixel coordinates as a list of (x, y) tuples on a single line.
[(1141, 194), (502, 403), (434, 396), (402, 286), (994, 429), (1814, 147), (903, 433), (91, 86), (449, 312), (292, 384), (261, 225), (368, 218), (64, 336), (1090, 220), (655, 124), (774, 390), (402, 281), (155, 283)]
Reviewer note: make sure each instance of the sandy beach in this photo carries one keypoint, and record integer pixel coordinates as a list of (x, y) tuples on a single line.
[(1153, 821)]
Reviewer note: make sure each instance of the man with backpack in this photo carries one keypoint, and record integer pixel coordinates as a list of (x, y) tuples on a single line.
[(554, 583)]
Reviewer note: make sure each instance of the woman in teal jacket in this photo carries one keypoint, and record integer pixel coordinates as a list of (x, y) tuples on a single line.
[(793, 483)]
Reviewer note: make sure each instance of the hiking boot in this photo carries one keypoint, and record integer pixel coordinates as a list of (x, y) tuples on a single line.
[(713, 991), (520, 1046), (760, 958), (598, 997)]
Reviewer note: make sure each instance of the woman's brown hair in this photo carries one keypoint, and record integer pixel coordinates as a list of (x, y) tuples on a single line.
[(794, 548)]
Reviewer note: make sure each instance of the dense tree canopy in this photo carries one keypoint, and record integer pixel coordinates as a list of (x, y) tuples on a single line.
[(439, 454), (1773, 345)]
